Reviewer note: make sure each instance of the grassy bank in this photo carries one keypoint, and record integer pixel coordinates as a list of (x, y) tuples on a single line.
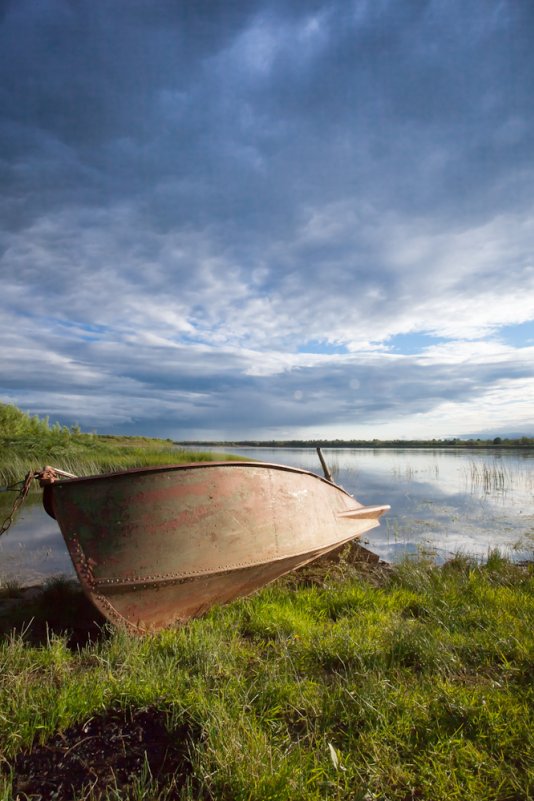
[(28, 443), (413, 683)]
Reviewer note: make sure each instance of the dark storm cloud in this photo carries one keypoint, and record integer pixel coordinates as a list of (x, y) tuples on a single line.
[(102, 101)]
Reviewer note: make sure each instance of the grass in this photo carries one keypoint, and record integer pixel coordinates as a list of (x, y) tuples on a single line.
[(28, 443), (414, 683), (88, 454)]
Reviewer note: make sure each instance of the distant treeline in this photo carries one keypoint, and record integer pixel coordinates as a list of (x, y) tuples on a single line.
[(496, 442)]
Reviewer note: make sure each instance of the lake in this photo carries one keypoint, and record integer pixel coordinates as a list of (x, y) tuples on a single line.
[(442, 502)]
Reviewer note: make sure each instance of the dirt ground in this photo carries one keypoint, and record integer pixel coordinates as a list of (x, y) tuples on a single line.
[(113, 751)]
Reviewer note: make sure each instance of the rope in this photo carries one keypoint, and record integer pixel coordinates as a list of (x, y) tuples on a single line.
[(19, 500), (46, 476)]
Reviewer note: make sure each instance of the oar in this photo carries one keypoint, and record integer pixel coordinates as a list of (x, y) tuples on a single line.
[(326, 471)]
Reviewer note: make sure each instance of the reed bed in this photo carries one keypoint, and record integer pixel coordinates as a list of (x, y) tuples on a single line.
[(89, 454), (489, 478), (28, 443), (408, 683)]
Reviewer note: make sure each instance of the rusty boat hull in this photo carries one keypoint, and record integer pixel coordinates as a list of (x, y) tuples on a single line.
[(156, 546)]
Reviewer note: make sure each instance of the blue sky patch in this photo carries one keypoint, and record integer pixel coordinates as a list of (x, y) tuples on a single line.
[(410, 344), (520, 335)]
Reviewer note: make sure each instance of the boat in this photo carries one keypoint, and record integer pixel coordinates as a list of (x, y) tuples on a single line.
[(156, 546)]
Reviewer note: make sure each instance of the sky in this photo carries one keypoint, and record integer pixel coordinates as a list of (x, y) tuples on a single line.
[(259, 219)]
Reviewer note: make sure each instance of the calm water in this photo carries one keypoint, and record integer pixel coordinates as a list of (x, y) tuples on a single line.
[(441, 501)]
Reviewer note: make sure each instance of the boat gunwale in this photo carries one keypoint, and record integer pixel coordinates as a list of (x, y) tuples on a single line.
[(196, 466)]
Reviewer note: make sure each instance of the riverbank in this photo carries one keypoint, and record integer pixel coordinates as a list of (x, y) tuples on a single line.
[(413, 682), (89, 454), (29, 443)]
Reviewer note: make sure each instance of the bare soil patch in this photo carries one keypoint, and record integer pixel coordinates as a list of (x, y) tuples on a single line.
[(115, 750)]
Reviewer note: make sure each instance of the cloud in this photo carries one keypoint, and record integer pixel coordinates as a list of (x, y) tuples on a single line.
[(233, 218)]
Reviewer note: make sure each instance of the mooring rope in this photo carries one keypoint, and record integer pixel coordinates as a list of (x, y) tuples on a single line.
[(19, 500), (46, 476)]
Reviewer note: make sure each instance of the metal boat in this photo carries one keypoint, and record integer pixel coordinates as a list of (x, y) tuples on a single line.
[(156, 546)]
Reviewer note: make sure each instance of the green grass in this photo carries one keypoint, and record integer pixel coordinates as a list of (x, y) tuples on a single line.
[(28, 443), (418, 688), (88, 454)]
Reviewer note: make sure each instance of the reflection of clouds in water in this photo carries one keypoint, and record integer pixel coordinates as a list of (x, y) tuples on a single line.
[(33, 549), (497, 478), (443, 545)]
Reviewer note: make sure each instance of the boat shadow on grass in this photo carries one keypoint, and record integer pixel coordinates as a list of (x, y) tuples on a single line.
[(57, 607)]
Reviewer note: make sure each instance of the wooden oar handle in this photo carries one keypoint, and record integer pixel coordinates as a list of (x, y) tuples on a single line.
[(326, 471)]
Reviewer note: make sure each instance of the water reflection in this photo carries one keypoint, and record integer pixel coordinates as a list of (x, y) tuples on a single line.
[(444, 502), (33, 548)]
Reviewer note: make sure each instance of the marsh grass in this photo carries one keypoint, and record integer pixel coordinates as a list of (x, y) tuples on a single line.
[(490, 478), (89, 454), (413, 685), (497, 477), (28, 443)]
